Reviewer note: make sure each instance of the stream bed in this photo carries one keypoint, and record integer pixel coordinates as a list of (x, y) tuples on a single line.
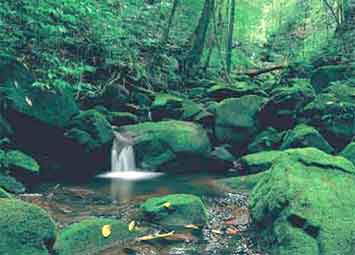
[(227, 231)]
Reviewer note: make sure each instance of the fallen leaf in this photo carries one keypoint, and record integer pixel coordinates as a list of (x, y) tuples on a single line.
[(167, 205), (191, 226), (182, 237), (131, 226), (155, 236), (233, 231), (28, 101), (106, 230), (216, 231)]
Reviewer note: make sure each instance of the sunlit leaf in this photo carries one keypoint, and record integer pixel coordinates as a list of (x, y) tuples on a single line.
[(106, 230), (191, 226), (131, 226)]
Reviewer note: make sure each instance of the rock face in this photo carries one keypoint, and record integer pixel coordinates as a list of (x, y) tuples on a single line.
[(85, 237), (305, 136), (332, 113), (236, 119), (25, 229), (160, 143), (286, 102), (175, 210), (304, 205)]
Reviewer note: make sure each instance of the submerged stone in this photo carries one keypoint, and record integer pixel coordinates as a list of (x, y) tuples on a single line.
[(175, 210), (25, 229), (86, 237), (305, 205)]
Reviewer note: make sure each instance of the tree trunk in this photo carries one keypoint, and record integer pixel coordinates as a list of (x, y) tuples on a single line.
[(230, 36), (170, 22), (198, 38)]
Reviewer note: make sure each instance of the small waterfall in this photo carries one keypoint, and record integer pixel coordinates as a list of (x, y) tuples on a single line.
[(122, 155)]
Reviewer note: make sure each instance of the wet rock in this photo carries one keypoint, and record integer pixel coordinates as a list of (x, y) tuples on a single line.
[(323, 76), (160, 143), (304, 205), (332, 113), (269, 139), (219, 92), (236, 119), (166, 106), (25, 229), (349, 152), (175, 210), (86, 236), (305, 136), (285, 103)]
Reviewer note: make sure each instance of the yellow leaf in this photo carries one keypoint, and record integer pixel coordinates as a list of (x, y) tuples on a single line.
[(216, 231), (155, 236), (28, 101), (106, 230), (131, 226), (192, 226), (167, 205)]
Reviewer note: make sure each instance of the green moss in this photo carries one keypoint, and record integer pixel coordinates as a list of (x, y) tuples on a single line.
[(166, 106), (91, 129), (157, 143), (258, 162), (122, 118), (236, 119), (165, 100), (85, 237), (11, 185), (246, 183), (25, 229), (269, 139), (349, 152), (305, 136), (305, 203), (18, 160), (184, 209)]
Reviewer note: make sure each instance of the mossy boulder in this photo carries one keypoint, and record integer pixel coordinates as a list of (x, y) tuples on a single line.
[(86, 236), (269, 139), (114, 97), (305, 136), (122, 118), (349, 152), (192, 111), (90, 129), (258, 162), (16, 159), (10, 184), (242, 183), (286, 102), (222, 91), (325, 75), (159, 143), (333, 115), (183, 209), (25, 229), (166, 106), (305, 205), (236, 119)]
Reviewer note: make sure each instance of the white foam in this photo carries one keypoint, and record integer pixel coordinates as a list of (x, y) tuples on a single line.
[(130, 175)]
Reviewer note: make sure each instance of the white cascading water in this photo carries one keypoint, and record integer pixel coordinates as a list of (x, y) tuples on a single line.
[(123, 168)]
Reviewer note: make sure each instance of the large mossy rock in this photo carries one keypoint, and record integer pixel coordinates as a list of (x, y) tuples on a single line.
[(4, 194), (86, 236), (25, 229), (305, 136), (219, 92), (10, 184), (236, 119), (285, 103), (325, 75), (160, 143), (17, 160), (241, 183), (305, 205), (175, 210), (332, 113)]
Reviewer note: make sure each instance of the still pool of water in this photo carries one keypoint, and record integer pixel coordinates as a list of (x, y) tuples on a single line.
[(69, 202)]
